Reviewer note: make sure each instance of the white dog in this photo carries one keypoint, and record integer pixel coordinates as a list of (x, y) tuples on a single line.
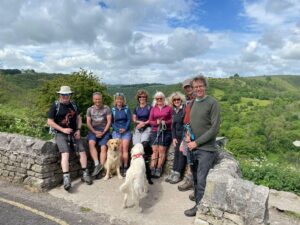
[(136, 182)]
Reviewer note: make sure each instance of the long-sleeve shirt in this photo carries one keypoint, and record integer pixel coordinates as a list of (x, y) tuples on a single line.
[(165, 113), (177, 122), (121, 118), (205, 122)]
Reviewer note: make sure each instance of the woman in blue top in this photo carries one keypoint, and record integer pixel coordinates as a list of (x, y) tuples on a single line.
[(121, 118), (141, 118)]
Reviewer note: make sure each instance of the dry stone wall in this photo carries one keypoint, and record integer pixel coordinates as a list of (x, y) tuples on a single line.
[(33, 162)]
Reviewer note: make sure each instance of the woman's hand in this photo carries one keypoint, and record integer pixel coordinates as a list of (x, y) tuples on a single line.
[(175, 142)]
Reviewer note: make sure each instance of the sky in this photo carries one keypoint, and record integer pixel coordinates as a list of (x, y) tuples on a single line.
[(161, 41)]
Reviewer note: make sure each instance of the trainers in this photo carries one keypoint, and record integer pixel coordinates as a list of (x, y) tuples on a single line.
[(87, 179), (97, 170), (176, 178), (67, 183), (157, 173), (192, 196), (191, 212), (169, 178), (187, 185)]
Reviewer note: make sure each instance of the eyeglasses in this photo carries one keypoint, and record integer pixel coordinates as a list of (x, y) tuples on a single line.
[(176, 100), (158, 99), (65, 95), (142, 96)]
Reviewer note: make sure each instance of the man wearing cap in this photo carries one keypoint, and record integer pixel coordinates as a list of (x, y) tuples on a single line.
[(189, 95), (65, 118)]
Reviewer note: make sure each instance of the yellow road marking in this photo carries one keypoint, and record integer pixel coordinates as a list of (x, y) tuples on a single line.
[(40, 213)]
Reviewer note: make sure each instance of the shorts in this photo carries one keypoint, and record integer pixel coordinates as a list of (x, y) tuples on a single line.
[(163, 139), (125, 136), (99, 141), (67, 143), (141, 136)]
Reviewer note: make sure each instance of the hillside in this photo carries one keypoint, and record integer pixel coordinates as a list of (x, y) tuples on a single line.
[(260, 117)]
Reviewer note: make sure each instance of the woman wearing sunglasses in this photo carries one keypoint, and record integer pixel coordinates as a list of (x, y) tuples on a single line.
[(160, 138), (121, 118), (177, 101)]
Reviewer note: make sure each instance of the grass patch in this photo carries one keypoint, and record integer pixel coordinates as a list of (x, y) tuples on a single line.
[(255, 101), (292, 214), (85, 209)]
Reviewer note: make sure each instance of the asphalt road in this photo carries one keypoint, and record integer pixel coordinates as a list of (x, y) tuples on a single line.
[(20, 206)]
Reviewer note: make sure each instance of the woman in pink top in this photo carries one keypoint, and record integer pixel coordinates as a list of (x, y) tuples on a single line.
[(160, 139)]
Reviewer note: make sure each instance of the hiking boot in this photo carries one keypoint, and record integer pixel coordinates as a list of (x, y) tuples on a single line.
[(169, 178), (192, 196), (157, 173), (98, 176), (187, 185), (67, 183), (176, 178), (86, 177), (97, 170), (152, 172), (124, 171), (191, 212)]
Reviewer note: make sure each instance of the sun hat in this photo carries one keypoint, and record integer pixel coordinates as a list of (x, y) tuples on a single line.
[(65, 90), (186, 82)]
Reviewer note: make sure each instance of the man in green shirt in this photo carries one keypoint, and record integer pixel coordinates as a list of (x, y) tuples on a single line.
[(205, 124)]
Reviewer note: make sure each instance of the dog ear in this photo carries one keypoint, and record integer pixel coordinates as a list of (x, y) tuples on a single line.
[(109, 142)]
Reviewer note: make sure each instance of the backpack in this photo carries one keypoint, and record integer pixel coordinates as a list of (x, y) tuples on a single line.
[(113, 111), (52, 131)]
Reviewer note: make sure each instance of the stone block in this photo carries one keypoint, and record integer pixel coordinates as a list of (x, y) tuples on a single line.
[(11, 168)]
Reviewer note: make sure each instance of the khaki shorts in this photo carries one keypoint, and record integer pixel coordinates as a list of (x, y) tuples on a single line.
[(141, 136)]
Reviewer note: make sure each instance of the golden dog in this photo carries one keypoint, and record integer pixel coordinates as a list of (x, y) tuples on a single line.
[(135, 182), (112, 164)]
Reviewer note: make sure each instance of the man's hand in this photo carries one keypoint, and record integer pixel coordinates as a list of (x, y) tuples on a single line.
[(67, 130), (77, 134), (99, 134), (192, 145)]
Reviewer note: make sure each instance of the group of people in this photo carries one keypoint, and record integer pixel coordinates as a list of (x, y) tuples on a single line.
[(189, 122)]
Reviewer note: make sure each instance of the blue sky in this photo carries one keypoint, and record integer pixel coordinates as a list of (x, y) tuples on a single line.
[(152, 40)]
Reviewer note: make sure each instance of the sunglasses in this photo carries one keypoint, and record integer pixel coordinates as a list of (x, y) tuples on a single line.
[(65, 95), (158, 99), (176, 100), (142, 96), (119, 94)]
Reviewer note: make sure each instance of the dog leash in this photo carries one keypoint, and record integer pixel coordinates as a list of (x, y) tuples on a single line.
[(160, 131)]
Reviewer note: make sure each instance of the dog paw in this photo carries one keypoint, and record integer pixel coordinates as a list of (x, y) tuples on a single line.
[(105, 178)]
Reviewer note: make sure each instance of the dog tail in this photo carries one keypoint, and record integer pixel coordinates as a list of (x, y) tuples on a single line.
[(124, 186)]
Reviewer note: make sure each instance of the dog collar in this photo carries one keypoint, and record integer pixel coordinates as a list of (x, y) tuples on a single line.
[(137, 156)]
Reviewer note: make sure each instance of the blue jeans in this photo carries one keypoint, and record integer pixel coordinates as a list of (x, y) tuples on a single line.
[(203, 161)]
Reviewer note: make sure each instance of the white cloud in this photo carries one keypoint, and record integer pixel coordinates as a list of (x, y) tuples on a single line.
[(133, 41)]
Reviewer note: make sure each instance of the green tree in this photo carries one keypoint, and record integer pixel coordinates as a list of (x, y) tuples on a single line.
[(82, 83)]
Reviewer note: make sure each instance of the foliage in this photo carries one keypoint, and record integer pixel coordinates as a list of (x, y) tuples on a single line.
[(260, 115), (274, 176), (82, 83)]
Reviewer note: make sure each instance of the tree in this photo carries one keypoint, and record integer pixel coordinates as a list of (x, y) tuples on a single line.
[(82, 83)]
